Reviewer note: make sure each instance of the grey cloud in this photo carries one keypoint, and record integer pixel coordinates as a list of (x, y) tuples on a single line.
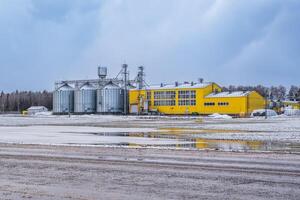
[(227, 41)]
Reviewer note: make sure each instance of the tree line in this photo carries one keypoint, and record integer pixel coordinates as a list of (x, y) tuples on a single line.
[(19, 101), (273, 92)]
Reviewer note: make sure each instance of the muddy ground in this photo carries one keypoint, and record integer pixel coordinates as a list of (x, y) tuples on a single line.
[(128, 157), (64, 172)]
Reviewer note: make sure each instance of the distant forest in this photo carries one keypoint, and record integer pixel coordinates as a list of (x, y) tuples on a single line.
[(272, 93), (19, 101)]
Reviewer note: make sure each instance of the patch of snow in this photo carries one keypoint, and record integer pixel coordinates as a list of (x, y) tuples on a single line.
[(79, 135), (256, 136), (48, 119), (43, 114), (219, 116)]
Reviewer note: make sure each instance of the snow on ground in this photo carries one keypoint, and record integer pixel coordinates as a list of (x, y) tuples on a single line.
[(274, 124), (219, 116), (62, 129), (281, 128), (76, 135), (18, 120), (256, 136)]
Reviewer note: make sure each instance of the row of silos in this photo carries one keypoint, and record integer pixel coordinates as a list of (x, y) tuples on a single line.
[(88, 99)]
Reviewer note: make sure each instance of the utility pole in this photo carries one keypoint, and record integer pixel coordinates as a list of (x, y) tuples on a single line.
[(266, 105), (125, 77), (140, 82), (69, 110)]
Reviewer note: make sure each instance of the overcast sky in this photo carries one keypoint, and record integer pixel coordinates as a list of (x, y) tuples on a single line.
[(238, 42)]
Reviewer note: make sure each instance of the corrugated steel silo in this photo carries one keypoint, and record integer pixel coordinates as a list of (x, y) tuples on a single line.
[(85, 99), (110, 99), (63, 100)]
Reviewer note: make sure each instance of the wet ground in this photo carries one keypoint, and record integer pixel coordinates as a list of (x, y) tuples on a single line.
[(177, 138), (195, 141), (84, 158), (42, 172)]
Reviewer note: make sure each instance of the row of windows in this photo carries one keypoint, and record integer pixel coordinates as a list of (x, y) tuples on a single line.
[(219, 104), (186, 94), (187, 102), (173, 102), (209, 104), (165, 95), (164, 103), (182, 94), (223, 104), (148, 97)]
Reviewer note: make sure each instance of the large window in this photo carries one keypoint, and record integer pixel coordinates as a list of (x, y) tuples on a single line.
[(164, 98), (165, 95), (186, 97), (148, 97), (164, 103)]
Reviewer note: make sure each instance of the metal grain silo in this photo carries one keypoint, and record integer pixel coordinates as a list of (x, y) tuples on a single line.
[(85, 99), (63, 100), (110, 99)]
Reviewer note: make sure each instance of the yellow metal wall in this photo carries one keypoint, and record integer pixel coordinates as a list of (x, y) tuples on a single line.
[(236, 106), (255, 102), (242, 106)]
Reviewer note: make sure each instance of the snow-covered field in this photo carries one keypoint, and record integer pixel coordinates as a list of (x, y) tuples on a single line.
[(83, 129), (271, 129), (70, 168), (18, 120), (76, 135)]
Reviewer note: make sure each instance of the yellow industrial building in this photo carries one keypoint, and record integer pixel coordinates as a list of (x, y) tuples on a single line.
[(193, 98)]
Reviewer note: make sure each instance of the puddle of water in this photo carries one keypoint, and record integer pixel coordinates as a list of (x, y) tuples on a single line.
[(186, 140)]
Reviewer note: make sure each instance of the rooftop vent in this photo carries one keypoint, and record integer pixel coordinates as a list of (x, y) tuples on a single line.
[(200, 80)]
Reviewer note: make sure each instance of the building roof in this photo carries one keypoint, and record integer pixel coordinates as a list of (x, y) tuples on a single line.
[(229, 94), (172, 86), (87, 87), (65, 87)]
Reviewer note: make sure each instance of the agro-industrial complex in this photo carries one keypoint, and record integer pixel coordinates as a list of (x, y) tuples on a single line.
[(124, 96)]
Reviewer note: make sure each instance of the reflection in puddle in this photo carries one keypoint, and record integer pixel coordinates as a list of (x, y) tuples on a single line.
[(189, 141)]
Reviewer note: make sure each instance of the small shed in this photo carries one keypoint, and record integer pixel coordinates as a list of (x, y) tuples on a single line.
[(36, 109)]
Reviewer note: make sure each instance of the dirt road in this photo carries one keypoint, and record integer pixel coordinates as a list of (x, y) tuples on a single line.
[(59, 172)]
